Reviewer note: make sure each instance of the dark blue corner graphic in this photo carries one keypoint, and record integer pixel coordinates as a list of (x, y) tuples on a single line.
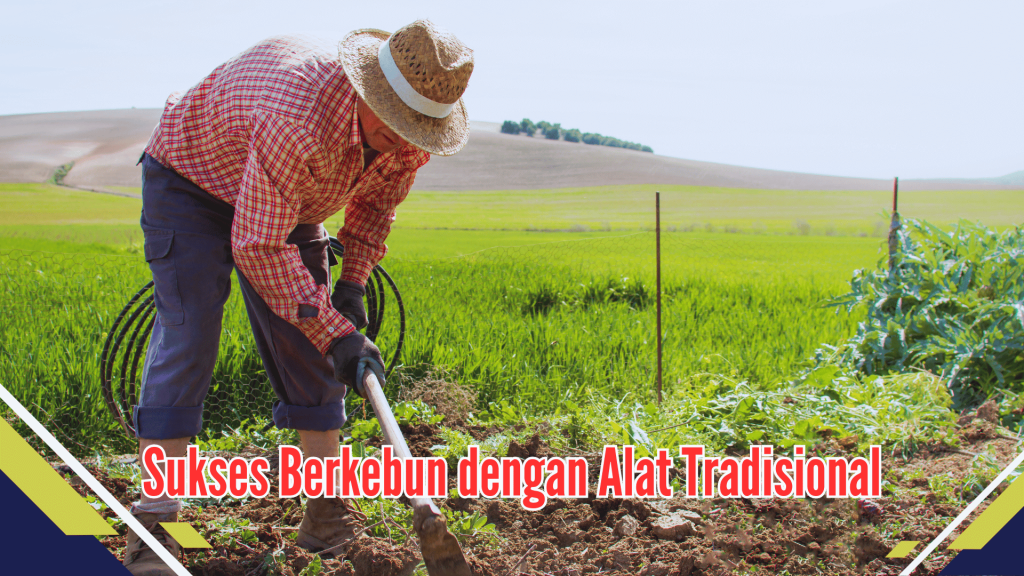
[(30, 543), (1002, 556)]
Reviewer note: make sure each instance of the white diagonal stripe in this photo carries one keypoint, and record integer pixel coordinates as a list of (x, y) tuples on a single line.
[(405, 91), (92, 483), (963, 515)]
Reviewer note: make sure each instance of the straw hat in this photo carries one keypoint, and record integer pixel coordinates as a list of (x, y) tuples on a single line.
[(413, 80)]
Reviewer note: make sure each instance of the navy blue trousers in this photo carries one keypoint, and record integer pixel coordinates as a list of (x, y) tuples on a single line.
[(188, 248)]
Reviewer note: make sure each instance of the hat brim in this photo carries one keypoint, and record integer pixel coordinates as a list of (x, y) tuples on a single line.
[(441, 136)]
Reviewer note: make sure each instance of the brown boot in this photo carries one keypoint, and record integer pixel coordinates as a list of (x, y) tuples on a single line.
[(139, 558), (329, 523)]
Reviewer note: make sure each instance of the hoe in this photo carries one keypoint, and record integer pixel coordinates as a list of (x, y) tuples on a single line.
[(441, 552)]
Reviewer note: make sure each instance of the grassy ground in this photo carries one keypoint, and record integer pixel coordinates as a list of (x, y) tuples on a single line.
[(58, 219), (542, 317), (42, 204)]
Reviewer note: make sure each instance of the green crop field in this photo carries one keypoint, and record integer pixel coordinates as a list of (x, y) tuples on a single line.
[(599, 208), (543, 318), (701, 208)]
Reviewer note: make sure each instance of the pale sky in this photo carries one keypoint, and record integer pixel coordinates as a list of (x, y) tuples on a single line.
[(915, 89)]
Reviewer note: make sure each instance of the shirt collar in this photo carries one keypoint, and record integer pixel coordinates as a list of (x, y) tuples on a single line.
[(355, 138)]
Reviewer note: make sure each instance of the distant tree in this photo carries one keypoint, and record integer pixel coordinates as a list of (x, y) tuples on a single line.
[(554, 132), (510, 127)]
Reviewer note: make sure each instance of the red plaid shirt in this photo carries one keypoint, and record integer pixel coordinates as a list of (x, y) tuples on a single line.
[(274, 132)]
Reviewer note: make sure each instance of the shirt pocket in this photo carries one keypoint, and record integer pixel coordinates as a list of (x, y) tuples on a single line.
[(160, 256)]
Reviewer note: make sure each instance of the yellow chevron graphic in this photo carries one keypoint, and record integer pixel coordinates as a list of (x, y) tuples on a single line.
[(44, 486), (992, 520), (185, 535), (903, 549)]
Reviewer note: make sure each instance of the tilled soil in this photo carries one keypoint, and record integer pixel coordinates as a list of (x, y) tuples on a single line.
[(627, 536)]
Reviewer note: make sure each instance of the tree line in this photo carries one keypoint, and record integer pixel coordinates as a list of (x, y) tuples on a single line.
[(555, 132)]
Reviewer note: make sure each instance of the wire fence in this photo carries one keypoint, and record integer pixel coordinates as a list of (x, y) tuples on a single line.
[(533, 325)]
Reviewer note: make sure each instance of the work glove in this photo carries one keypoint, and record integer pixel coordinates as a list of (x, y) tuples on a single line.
[(347, 299), (353, 356)]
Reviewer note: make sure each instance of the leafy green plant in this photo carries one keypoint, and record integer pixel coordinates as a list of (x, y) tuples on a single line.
[(314, 568), (250, 432), (415, 412), (944, 487), (275, 562), (365, 429), (577, 425), (411, 413), (953, 305), (466, 526), (498, 413), (228, 531), (456, 445), (726, 414)]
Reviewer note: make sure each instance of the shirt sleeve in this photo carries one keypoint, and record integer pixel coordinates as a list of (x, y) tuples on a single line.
[(266, 212), (368, 217)]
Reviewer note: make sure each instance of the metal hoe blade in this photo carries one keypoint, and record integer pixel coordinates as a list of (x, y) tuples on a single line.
[(441, 552)]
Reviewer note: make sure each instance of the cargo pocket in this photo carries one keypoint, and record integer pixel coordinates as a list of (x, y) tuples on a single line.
[(165, 277)]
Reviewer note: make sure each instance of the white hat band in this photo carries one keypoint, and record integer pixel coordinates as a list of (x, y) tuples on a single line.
[(405, 91)]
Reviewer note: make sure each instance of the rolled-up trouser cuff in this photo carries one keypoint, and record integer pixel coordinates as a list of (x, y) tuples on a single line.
[(318, 418), (166, 422)]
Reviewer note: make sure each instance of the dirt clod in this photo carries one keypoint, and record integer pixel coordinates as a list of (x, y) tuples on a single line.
[(377, 556), (627, 526), (672, 527), (989, 412), (657, 569), (534, 448)]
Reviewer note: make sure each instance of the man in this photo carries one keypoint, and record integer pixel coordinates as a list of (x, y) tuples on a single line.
[(240, 173)]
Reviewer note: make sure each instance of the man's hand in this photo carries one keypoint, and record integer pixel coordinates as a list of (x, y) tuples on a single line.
[(347, 298), (353, 355)]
